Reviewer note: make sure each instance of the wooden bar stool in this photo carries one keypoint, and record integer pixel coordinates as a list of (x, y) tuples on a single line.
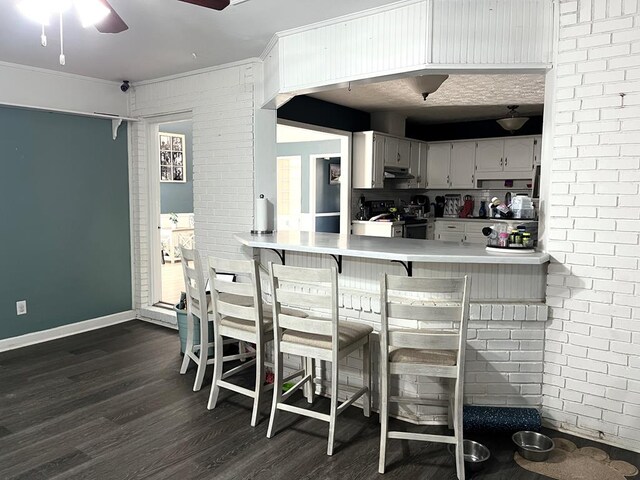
[(239, 313), (198, 306), (320, 336), (429, 352)]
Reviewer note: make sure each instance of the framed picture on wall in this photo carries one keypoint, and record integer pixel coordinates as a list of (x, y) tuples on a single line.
[(172, 157), (334, 173)]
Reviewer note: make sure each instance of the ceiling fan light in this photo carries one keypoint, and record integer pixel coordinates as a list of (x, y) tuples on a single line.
[(511, 124), (38, 11), (91, 12)]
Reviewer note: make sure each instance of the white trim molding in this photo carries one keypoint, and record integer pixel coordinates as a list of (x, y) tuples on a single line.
[(66, 330)]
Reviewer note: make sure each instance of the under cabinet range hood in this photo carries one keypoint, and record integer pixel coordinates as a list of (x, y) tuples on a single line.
[(397, 173)]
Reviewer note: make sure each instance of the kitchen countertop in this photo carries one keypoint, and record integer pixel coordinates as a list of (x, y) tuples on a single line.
[(386, 222), (487, 220), (403, 249)]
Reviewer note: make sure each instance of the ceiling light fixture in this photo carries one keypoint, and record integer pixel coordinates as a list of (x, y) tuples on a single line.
[(512, 122), (90, 13), (425, 85)]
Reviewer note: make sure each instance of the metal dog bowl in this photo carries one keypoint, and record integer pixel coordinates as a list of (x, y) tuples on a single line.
[(475, 455), (533, 446)]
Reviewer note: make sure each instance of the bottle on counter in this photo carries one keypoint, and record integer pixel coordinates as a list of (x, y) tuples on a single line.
[(503, 239), (482, 213)]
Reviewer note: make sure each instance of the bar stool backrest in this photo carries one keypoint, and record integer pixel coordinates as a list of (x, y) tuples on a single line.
[(194, 283), (241, 300), (296, 287), (403, 298)]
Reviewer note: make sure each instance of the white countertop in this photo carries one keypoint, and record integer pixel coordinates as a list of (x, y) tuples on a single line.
[(403, 249), (384, 222), (487, 220)]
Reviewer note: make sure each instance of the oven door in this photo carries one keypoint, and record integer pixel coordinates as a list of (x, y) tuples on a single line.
[(415, 230)]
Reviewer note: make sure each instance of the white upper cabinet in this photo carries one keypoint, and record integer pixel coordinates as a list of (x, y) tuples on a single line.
[(505, 158), (368, 160), (417, 166), (396, 151), (518, 154), (390, 151), (489, 155), (438, 162), (462, 169), (537, 150), (404, 153)]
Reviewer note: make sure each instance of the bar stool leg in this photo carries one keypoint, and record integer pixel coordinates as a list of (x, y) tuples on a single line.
[(277, 388), (334, 406), (450, 410), (309, 369), (217, 371), (204, 354), (457, 429), (188, 346), (366, 379), (384, 408), (259, 382)]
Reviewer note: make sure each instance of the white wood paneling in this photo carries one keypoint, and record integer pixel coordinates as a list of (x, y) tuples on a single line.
[(271, 71), (492, 32), (390, 40), (496, 282)]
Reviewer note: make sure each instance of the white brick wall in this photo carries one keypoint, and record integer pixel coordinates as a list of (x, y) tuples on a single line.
[(592, 372), (222, 106)]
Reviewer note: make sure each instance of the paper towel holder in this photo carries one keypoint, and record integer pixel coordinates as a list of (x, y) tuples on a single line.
[(261, 232)]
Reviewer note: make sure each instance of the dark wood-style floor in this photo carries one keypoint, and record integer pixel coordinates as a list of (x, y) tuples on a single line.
[(110, 404)]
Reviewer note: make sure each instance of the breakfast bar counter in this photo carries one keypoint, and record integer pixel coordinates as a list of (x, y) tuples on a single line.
[(507, 311), (395, 249)]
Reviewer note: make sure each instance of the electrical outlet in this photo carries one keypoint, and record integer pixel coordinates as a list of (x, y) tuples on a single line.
[(21, 307)]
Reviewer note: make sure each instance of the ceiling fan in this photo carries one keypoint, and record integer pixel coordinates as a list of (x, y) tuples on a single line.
[(98, 13), (113, 23)]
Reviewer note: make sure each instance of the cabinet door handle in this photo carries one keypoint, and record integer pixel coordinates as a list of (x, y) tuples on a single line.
[(506, 160), (448, 181), (500, 162)]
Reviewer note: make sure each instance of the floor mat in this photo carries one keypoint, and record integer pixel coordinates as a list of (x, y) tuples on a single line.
[(568, 462)]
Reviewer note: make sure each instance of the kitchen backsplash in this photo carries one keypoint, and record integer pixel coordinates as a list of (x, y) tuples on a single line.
[(398, 196)]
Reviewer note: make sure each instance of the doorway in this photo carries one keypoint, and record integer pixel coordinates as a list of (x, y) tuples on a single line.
[(171, 161), (313, 187)]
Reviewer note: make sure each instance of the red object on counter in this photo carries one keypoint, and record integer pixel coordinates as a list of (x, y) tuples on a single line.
[(467, 209)]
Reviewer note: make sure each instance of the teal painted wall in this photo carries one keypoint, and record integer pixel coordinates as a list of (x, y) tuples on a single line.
[(178, 197), (64, 223)]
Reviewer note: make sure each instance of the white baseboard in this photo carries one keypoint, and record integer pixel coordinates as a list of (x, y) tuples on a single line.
[(66, 330), (607, 440), (158, 315)]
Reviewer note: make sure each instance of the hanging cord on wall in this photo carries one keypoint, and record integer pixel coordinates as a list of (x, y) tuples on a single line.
[(43, 37), (62, 59)]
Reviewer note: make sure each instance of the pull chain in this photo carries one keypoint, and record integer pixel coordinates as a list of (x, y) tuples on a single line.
[(43, 37), (62, 58)]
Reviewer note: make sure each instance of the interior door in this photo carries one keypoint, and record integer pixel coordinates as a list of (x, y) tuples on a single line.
[(489, 155), (438, 160), (463, 164), (518, 154)]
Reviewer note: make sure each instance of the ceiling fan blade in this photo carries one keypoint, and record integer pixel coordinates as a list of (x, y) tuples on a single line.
[(214, 4), (112, 23)]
